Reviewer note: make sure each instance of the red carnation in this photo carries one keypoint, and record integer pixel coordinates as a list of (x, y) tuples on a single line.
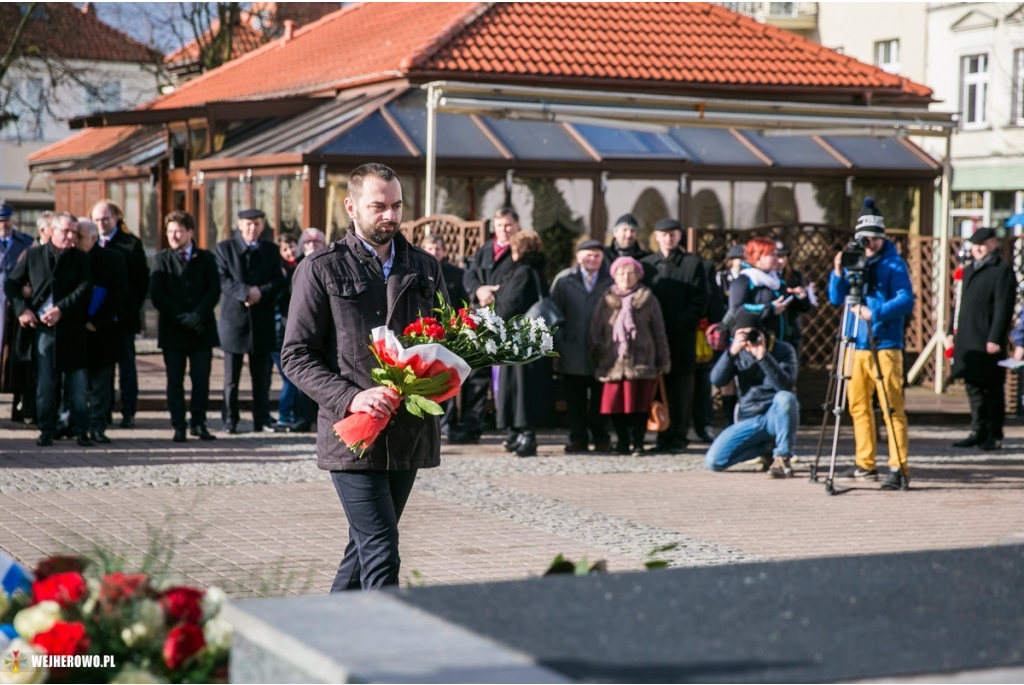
[(435, 331), (467, 319), (182, 604), (415, 328), (66, 589), (65, 638), (181, 644), (429, 321), (115, 587), (54, 565)]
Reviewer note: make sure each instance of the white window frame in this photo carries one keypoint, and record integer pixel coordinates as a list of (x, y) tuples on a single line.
[(977, 117), (892, 64)]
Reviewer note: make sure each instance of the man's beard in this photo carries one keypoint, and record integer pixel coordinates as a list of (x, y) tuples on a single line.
[(376, 234)]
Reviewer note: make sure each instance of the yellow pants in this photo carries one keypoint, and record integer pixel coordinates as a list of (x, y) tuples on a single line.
[(863, 386)]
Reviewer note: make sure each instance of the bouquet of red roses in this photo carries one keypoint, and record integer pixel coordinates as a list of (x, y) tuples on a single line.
[(442, 352)]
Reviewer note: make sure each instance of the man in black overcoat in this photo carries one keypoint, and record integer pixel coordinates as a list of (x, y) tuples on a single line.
[(59, 280), (250, 279), (16, 376), (488, 267), (978, 335), (184, 288), (624, 240), (103, 334), (681, 286), (115, 235)]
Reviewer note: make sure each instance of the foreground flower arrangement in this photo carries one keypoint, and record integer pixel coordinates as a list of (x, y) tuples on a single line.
[(428, 363), (68, 622)]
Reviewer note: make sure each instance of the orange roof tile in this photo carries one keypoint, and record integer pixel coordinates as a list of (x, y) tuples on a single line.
[(83, 144)]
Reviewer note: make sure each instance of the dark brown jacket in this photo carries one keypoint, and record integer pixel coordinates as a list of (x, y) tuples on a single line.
[(648, 353), (338, 297)]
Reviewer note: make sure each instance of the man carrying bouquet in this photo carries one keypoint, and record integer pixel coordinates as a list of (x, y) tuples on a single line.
[(372, 277)]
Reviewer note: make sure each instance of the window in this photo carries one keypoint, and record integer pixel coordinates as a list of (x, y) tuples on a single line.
[(26, 101), (1017, 116), (887, 55), (105, 97), (974, 97)]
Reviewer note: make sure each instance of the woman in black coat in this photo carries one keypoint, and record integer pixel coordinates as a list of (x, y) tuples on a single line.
[(759, 289), (523, 397)]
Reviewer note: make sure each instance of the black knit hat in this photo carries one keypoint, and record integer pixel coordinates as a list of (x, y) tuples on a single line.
[(737, 251), (869, 221), (626, 220), (744, 318)]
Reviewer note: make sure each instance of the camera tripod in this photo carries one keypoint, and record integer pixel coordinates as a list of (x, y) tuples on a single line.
[(839, 379)]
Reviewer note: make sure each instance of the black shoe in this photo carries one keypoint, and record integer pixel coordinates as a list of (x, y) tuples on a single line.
[(128, 422), (972, 440), (44, 440), (463, 438), (896, 480), (100, 438), (991, 443), (857, 473), (527, 446), (622, 447), (603, 446), (706, 435), (231, 428), (298, 427), (201, 433), (512, 442), (179, 435), (576, 448), (84, 440)]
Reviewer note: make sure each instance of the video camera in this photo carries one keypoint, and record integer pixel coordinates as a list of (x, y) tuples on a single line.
[(854, 258)]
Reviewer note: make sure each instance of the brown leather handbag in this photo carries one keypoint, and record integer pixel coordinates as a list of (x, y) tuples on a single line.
[(658, 421)]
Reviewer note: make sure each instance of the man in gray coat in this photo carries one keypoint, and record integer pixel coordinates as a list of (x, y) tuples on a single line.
[(576, 291), (372, 277)]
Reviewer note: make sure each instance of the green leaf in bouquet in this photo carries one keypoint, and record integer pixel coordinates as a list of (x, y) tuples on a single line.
[(428, 386), (418, 405)]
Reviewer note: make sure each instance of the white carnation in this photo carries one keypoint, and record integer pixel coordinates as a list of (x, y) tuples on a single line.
[(213, 599), (36, 619), (217, 633), (148, 625), (490, 348), (547, 343)]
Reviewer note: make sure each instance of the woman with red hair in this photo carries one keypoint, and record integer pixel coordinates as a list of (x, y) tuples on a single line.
[(759, 289)]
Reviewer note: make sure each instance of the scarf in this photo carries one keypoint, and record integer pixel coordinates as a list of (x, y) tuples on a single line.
[(624, 328), (764, 279)]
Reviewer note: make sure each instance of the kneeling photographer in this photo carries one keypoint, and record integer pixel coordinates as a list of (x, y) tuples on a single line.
[(886, 296), (765, 370)]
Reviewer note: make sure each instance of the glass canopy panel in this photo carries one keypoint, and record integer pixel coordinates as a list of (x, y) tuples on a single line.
[(371, 137), (876, 153), (537, 140), (714, 146), (793, 151), (616, 142), (457, 135)]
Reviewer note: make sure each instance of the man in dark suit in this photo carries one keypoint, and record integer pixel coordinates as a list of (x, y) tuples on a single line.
[(488, 267), (14, 374), (114, 234), (184, 287), (59, 281), (250, 279), (102, 328), (681, 286)]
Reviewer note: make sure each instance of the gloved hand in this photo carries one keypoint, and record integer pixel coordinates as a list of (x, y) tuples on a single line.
[(191, 320)]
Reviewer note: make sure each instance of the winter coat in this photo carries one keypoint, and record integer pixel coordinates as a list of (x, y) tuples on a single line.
[(718, 300), (525, 397), (755, 290), (339, 296), (106, 343), (248, 329), (794, 315), (453, 280), (282, 301), (681, 286), (986, 309), (758, 381), (68, 278), (572, 340), (483, 270), (177, 288), (613, 252), (649, 352), (134, 255), (10, 329), (887, 293)]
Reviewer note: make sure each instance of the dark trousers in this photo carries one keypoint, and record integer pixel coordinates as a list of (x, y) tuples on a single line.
[(630, 426), (373, 502), (101, 384), (988, 409), (450, 418), (199, 365), (129, 378), (474, 400), (679, 388), (259, 373), (703, 412), (583, 413), (48, 388)]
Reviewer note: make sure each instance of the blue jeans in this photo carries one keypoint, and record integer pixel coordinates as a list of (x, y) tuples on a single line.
[(76, 389), (286, 401), (751, 437)]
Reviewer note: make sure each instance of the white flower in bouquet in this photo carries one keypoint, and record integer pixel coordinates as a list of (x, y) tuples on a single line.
[(36, 619), (547, 343), (213, 600), (490, 347), (93, 597), (148, 625), (217, 633), (25, 674), (135, 674)]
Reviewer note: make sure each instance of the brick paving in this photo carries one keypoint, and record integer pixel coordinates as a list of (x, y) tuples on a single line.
[(252, 514)]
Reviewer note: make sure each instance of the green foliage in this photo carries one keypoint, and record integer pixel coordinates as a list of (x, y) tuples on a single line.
[(562, 566), (651, 559)]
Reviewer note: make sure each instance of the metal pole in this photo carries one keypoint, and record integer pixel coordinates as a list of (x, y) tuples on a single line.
[(940, 315), (431, 177)]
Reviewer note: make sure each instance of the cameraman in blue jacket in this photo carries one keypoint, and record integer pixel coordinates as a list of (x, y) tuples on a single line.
[(888, 297)]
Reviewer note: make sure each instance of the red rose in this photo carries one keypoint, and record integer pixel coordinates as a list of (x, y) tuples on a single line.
[(182, 643), (65, 589), (64, 638), (115, 587), (54, 565), (182, 604)]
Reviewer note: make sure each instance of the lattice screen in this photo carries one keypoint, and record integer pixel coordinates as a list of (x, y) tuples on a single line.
[(461, 238)]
